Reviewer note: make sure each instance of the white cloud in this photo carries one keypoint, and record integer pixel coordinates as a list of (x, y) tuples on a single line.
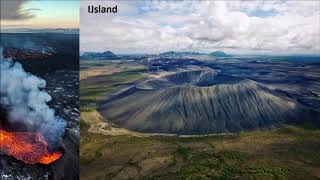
[(233, 26)]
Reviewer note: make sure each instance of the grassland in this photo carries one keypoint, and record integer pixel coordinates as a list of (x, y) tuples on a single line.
[(99, 79), (284, 153)]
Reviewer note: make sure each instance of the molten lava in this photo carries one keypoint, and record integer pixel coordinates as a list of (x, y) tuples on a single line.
[(23, 54), (29, 147)]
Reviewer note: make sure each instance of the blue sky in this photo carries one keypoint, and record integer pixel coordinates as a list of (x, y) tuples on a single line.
[(262, 13)]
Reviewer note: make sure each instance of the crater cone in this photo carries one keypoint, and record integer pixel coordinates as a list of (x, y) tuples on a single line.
[(202, 102)]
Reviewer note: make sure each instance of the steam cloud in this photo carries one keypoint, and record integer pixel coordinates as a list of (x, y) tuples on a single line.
[(23, 96)]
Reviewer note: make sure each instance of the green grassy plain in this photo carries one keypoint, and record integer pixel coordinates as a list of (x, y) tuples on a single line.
[(94, 89), (284, 153)]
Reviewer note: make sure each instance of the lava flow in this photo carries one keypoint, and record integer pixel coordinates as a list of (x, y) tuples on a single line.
[(23, 54), (29, 147)]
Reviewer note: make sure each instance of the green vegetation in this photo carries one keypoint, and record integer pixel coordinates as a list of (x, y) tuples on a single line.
[(94, 63), (184, 152), (93, 89), (284, 153), (83, 125), (222, 165)]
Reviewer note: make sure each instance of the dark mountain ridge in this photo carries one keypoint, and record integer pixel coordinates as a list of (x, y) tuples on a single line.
[(107, 55), (219, 54)]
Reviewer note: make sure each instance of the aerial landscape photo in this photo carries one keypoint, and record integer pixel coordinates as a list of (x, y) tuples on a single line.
[(200, 90), (39, 83)]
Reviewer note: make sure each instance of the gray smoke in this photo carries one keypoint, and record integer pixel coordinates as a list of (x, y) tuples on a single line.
[(34, 43), (13, 10), (23, 96)]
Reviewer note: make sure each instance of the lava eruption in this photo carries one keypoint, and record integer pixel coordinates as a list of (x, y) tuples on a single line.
[(29, 147), (30, 130)]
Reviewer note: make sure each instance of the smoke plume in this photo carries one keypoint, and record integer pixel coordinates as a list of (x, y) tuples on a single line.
[(25, 99)]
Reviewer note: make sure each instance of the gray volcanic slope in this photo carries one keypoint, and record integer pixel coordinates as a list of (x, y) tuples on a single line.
[(202, 102)]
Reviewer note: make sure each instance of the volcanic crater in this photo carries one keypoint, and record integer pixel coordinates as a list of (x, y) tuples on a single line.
[(202, 101)]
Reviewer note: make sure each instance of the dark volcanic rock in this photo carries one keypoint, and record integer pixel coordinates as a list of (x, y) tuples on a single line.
[(63, 86), (12, 169), (43, 52), (171, 63), (67, 167)]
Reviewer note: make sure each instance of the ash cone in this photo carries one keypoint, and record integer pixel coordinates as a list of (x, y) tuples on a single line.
[(25, 100)]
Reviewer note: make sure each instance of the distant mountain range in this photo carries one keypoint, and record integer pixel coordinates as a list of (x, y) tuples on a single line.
[(179, 54), (107, 55), (57, 30), (187, 53), (219, 54)]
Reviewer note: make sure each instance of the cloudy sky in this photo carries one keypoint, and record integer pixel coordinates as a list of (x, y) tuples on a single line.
[(281, 27), (39, 14)]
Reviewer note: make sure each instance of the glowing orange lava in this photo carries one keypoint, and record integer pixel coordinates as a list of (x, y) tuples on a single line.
[(29, 147)]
